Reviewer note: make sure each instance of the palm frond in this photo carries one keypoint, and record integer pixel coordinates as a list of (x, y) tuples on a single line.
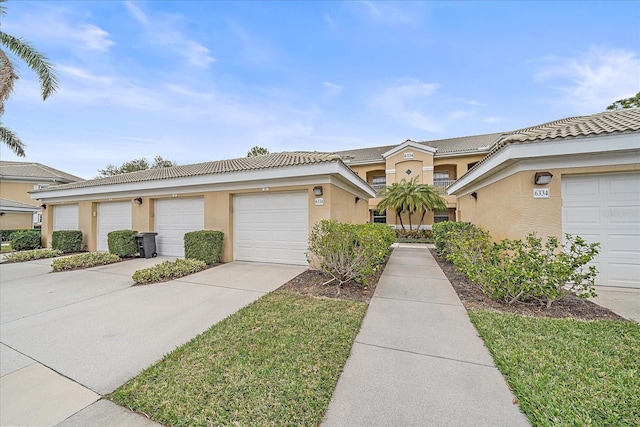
[(7, 77), (9, 138), (35, 60)]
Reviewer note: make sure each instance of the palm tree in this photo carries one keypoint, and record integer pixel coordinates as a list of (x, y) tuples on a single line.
[(411, 197), (37, 62)]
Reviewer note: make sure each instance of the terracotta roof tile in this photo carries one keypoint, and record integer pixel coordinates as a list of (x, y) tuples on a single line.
[(268, 161), (36, 171)]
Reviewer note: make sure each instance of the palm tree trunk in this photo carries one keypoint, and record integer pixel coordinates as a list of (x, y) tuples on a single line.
[(422, 218), (399, 214)]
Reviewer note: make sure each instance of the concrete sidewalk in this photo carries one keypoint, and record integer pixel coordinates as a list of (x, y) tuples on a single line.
[(418, 360)]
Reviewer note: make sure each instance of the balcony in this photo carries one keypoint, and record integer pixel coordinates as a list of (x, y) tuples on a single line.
[(442, 184), (378, 187)]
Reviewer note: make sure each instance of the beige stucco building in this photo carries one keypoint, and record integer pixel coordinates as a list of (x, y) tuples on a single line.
[(266, 205), (17, 179)]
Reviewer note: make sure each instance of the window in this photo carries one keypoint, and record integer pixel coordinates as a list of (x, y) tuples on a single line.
[(440, 216), (378, 182), (379, 217), (470, 165), (441, 176)]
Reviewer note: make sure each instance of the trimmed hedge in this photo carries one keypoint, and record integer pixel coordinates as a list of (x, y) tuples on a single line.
[(4, 234), (204, 245), (168, 270), (31, 255), (87, 260), (25, 240), (67, 241), (349, 251), (123, 243)]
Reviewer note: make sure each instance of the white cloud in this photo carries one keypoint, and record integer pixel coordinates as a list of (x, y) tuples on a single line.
[(405, 101), (385, 13), (494, 119), (164, 31), (332, 86), (137, 13), (593, 80), (61, 27), (82, 74)]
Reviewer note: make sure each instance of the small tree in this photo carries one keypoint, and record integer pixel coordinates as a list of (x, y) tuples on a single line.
[(135, 165), (257, 151), (633, 102), (411, 197)]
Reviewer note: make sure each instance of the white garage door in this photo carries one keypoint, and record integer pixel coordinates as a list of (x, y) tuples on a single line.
[(174, 217), (65, 217), (112, 216), (606, 208), (271, 227)]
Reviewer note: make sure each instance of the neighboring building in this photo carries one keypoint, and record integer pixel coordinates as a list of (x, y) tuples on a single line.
[(264, 205), (437, 163), (579, 175), (16, 180), (16, 216)]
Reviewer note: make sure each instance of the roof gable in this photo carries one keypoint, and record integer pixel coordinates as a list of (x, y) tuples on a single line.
[(31, 171), (409, 144)]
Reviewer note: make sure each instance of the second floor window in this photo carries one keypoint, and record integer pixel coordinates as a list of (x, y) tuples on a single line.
[(378, 182)]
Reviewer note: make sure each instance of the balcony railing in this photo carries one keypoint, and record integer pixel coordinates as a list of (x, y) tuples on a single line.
[(378, 187), (442, 184)]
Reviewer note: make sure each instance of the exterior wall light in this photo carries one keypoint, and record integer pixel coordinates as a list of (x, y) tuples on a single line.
[(43, 206), (542, 178), (138, 200), (357, 199), (317, 190), (473, 196)]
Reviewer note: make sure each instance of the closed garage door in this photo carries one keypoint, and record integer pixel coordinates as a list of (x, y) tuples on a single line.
[(606, 208), (174, 217), (271, 227), (65, 217), (111, 217)]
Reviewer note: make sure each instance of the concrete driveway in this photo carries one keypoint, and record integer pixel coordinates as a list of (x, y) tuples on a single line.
[(68, 338)]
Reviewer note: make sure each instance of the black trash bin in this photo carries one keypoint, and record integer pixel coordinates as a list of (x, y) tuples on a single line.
[(147, 244)]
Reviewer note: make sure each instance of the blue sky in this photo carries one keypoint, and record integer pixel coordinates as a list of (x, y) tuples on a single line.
[(196, 81)]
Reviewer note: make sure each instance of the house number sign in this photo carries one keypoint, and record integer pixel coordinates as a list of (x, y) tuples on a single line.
[(408, 155), (319, 201), (540, 193)]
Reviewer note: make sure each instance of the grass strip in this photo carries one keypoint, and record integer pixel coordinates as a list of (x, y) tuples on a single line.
[(275, 362), (567, 372)]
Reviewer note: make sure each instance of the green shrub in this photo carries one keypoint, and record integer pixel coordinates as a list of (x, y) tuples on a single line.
[(349, 251), (541, 273), (530, 271), (123, 243), (25, 240), (168, 270), (205, 245), (67, 241), (4, 234), (407, 236), (86, 260), (32, 255)]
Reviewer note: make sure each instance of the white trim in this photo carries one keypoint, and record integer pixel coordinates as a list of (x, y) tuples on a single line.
[(577, 152), (410, 144), (276, 177), (19, 210), (390, 171), (427, 168)]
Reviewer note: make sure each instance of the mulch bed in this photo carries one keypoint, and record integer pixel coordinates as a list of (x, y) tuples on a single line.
[(473, 299), (313, 282)]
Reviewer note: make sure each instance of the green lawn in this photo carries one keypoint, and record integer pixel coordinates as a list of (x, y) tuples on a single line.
[(275, 362), (566, 372)]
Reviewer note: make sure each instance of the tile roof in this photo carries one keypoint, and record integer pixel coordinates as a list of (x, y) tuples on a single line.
[(12, 204), (34, 171), (478, 143), (268, 161), (606, 123)]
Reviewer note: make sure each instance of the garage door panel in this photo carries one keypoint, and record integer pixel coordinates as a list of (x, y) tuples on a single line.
[(65, 217), (112, 216), (609, 214), (174, 218), (271, 227)]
